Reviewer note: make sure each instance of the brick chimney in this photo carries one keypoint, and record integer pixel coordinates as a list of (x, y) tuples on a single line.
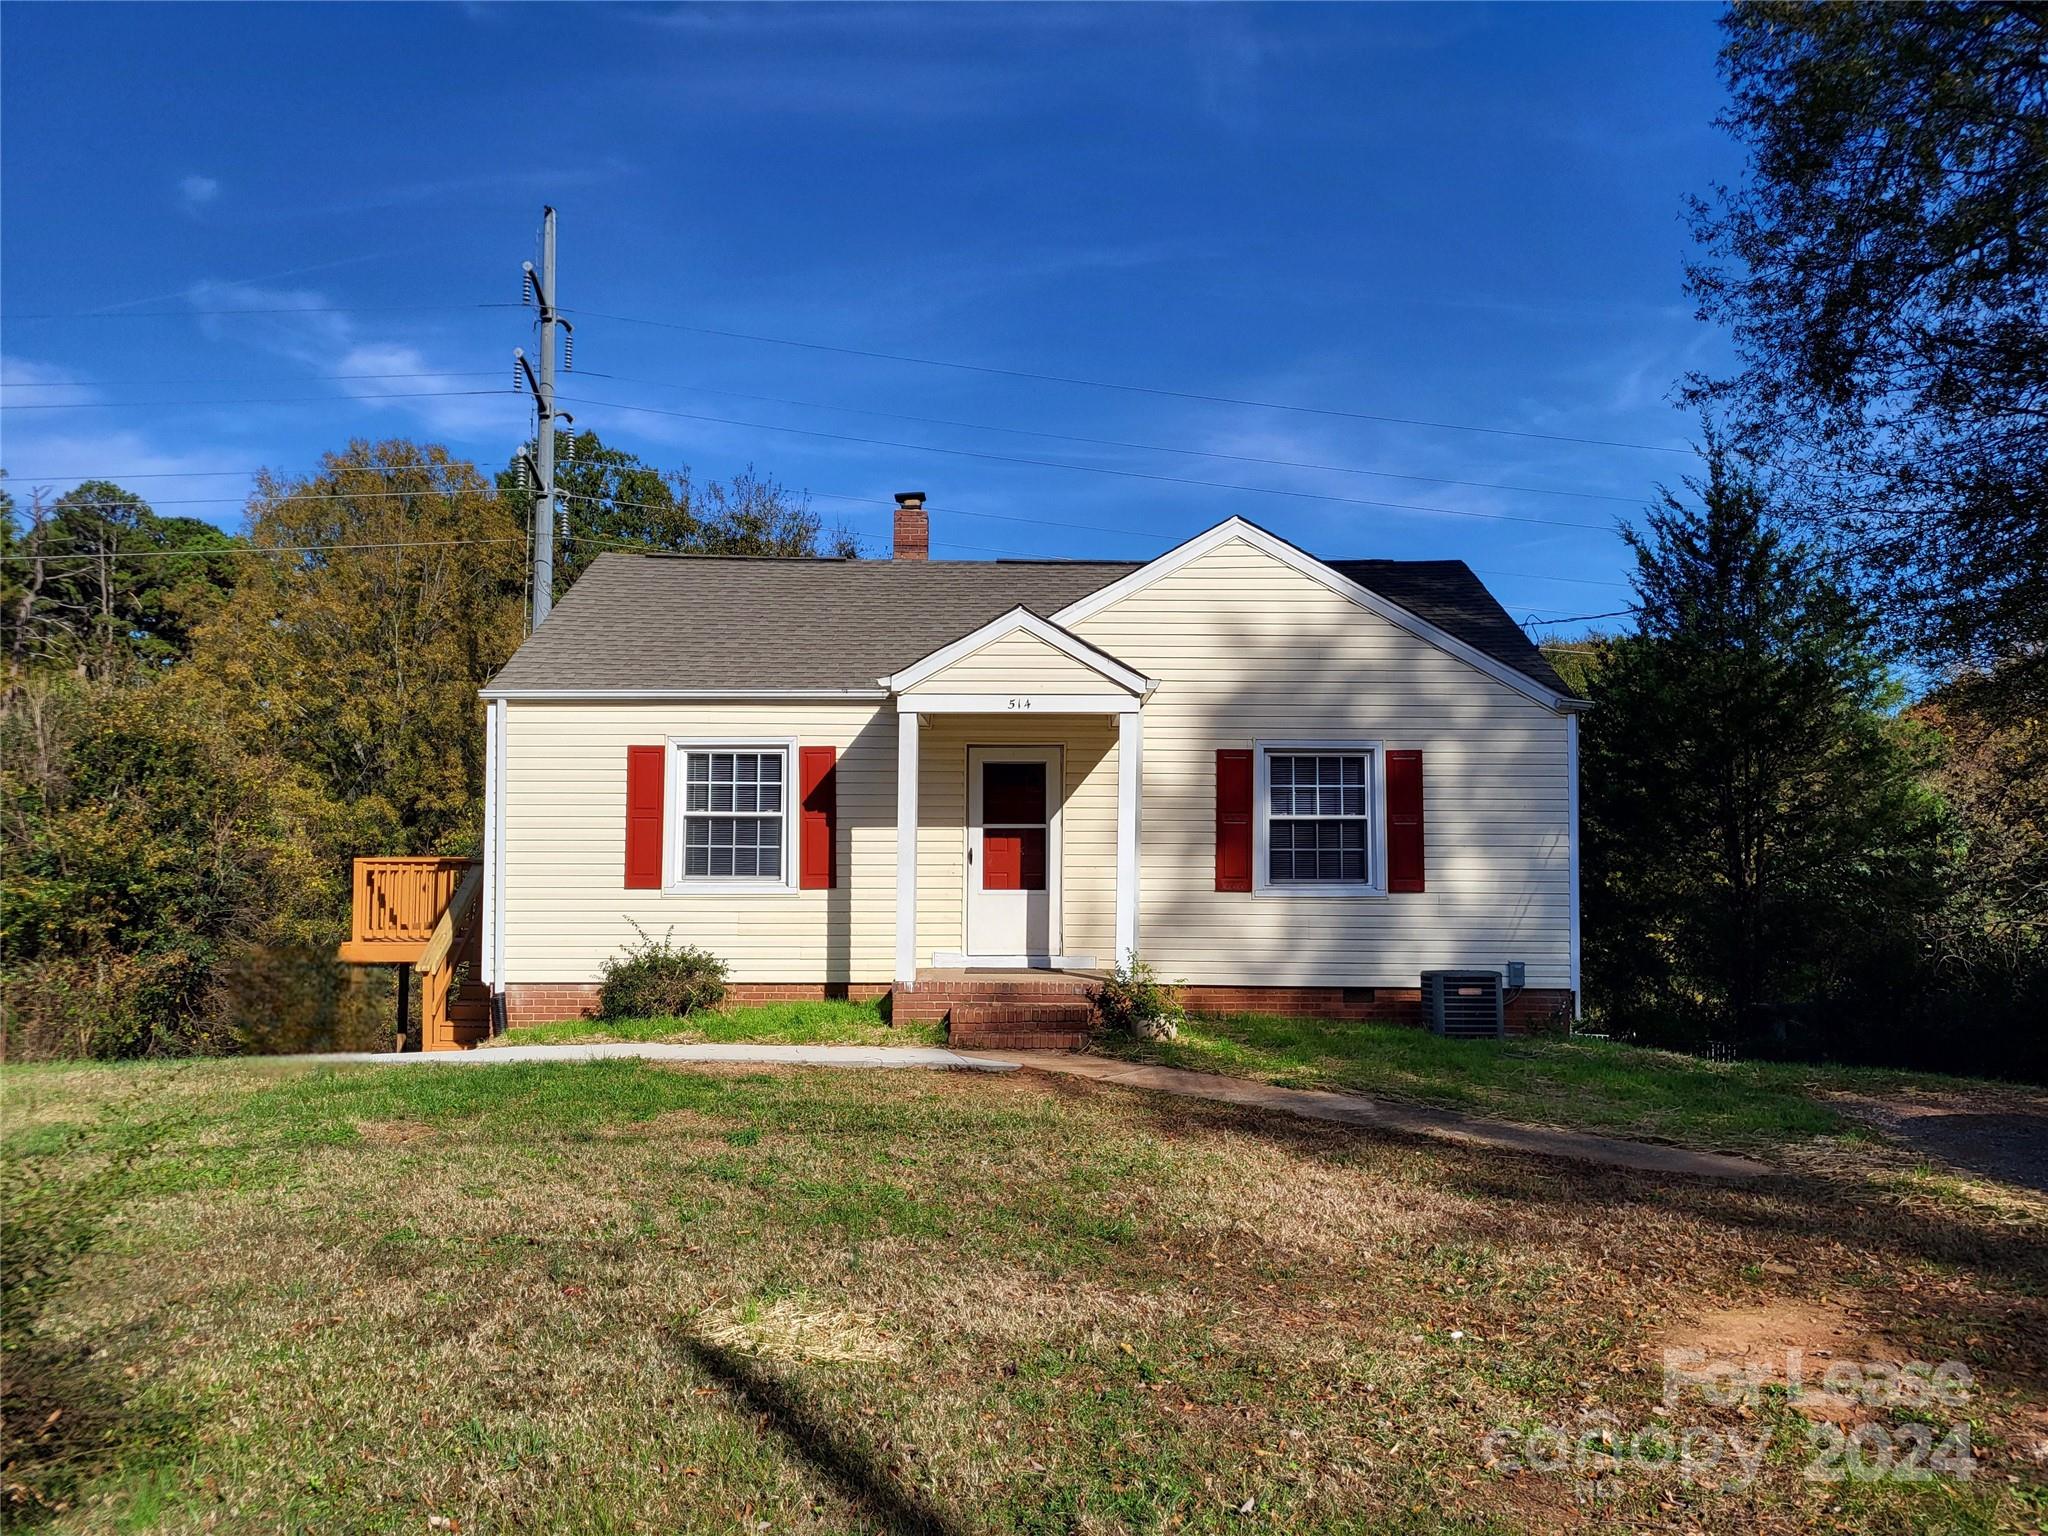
[(913, 528)]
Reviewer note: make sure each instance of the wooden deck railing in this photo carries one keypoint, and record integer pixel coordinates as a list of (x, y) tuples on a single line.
[(395, 905), (454, 1004)]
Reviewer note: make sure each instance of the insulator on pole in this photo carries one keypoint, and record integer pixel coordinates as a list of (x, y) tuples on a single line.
[(526, 286), (569, 352)]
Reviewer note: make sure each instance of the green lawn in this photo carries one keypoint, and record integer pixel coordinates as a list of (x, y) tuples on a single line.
[(1587, 1084), (623, 1297), (770, 1023)]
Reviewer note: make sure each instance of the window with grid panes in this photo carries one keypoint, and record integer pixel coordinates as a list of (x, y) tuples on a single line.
[(734, 812), (1317, 818)]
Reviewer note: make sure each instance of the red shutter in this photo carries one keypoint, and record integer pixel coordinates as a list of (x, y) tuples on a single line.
[(645, 767), (1233, 821), (1404, 821), (820, 780)]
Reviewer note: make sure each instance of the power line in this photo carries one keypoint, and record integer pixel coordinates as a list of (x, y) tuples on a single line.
[(273, 309), (443, 373), (264, 549), (199, 474), (1139, 389), (491, 493), (101, 405), (1105, 442), (1091, 469), (1576, 618)]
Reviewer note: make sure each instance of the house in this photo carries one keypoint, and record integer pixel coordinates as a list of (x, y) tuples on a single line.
[(1291, 784)]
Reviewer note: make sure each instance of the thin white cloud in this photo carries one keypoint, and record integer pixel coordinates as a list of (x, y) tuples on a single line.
[(53, 457), (196, 192), (46, 381), (299, 325)]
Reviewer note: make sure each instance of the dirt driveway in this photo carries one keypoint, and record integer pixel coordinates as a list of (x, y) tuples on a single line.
[(1995, 1133)]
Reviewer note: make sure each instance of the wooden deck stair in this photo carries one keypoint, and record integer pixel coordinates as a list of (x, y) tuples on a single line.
[(423, 916)]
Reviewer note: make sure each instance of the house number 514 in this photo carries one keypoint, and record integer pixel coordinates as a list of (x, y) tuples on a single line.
[(1020, 703)]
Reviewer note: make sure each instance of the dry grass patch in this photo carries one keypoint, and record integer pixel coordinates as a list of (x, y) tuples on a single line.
[(797, 1327)]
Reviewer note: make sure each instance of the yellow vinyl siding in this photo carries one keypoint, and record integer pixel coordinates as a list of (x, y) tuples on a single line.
[(565, 845), (1246, 648), (1018, 662), (566, 906), (1087, 828)]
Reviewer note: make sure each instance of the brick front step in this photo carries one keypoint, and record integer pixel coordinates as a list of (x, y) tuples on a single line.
[(1014, 1015), (1056, 1015), (1014, 1039), (1005, 991)]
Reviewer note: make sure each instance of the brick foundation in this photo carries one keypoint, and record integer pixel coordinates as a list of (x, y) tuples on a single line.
[(1377, 1005), (546, 1002)]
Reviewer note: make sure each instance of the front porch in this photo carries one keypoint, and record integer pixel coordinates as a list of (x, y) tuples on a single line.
[(1019, 760)]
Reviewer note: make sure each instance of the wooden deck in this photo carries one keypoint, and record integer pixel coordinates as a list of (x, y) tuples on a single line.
[(422, 916)]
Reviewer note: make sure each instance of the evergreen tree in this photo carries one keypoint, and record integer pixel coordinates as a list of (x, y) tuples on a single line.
[(1754, 825)]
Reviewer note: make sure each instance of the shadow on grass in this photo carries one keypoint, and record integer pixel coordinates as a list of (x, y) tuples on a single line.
[(1790, 1211), (856, 1470), (64, 1418)]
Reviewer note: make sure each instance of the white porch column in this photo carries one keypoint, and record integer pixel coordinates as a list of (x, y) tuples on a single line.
[(488, 932), (1130, 747), (1571, 769), (906, 848)]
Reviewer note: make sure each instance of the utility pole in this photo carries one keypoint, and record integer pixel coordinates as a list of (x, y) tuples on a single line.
[(542, 285)]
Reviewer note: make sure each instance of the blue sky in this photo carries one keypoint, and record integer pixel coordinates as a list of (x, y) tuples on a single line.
[(1454, 214)]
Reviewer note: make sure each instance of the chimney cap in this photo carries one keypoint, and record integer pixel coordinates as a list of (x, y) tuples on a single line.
[(910, 499)]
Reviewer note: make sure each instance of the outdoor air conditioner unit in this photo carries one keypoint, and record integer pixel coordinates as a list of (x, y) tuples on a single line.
[(1465, 1005)]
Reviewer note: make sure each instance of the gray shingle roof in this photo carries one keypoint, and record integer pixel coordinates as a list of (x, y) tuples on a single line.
[(1446, 593), (687, 622)]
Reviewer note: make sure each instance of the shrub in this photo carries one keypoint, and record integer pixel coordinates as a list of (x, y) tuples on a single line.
[(103, 1005), (1133, 1000), (660, 979)]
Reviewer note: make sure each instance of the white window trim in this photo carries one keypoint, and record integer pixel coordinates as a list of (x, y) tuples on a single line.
[(674, 882), (1376, 831)]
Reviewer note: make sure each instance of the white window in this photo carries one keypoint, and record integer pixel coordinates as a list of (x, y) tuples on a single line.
[(1319, 818), (735, 821)]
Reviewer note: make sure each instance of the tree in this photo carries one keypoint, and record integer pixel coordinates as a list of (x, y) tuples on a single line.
[(1885, 273), (1754, 824), (97, 582), (1994, 773), (357, 650), (612, 499), (147, 844)]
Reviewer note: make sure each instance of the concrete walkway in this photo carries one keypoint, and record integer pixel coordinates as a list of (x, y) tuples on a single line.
[(1310, 1104), (1377, 1114), (760, 1055)]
